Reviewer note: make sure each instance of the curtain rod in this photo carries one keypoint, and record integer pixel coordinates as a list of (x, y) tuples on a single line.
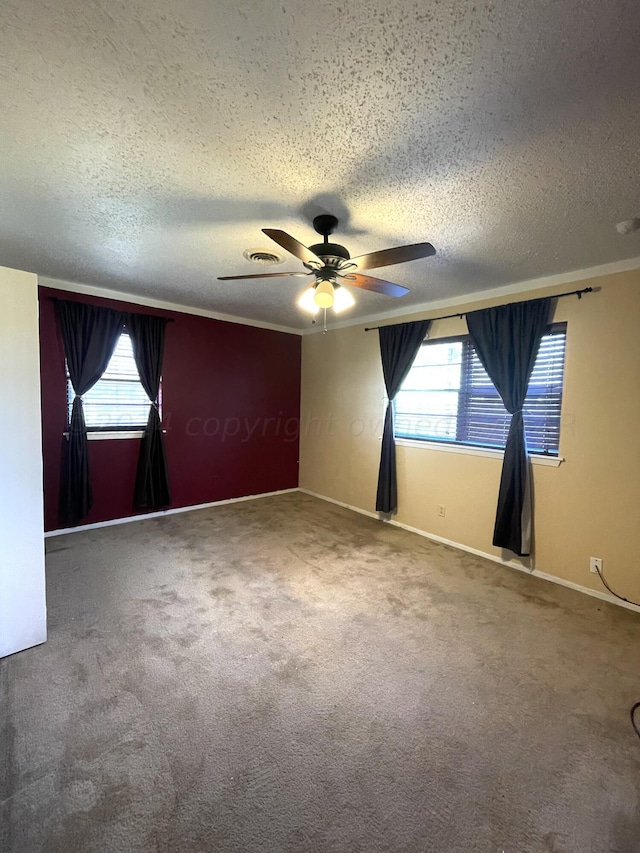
[(57, 299), (577, 293)]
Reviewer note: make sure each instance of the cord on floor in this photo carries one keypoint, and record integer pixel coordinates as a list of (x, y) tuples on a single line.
[(636, 726), (621, 597), (633, 718)]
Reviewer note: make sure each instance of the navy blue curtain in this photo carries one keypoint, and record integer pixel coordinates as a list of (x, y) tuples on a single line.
[(89, 335), (399, 345), (507, 339), (152, 477)]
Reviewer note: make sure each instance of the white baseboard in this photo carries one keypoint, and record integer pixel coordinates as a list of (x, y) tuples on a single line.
[(143, 516), (512, 564)]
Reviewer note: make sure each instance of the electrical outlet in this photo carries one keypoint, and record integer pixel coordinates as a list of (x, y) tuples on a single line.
[(595, 565), (442, 510)]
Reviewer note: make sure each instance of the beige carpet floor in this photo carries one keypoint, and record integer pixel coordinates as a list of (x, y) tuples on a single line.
[(285, 675)]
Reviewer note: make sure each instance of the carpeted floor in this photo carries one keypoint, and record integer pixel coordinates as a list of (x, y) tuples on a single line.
[(285, 675)]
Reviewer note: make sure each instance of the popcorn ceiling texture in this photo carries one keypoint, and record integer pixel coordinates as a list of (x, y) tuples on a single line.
[(145, 144)]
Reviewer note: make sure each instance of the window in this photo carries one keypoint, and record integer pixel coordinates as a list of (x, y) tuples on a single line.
[(448, 397), (117, 401)]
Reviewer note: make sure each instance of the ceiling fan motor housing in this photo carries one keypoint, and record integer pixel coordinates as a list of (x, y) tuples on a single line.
[(331, 253)]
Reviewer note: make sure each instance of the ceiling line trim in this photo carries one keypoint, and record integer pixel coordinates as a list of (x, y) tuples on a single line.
[(452, 302), (149, 302), (476, 296)]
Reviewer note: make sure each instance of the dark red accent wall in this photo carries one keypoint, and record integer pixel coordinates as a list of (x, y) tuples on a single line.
[(230, 404)]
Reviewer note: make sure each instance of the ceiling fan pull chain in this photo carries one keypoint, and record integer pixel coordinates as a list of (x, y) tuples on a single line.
[(324, 330)]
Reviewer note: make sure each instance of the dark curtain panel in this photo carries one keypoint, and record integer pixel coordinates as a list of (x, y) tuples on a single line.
[(507, 340), (399, 345), (152, 478), (90, 335)]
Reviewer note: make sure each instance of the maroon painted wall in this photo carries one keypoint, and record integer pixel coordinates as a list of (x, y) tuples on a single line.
[(230, 404)]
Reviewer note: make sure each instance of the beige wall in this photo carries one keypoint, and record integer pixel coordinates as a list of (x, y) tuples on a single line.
[(589, 506)]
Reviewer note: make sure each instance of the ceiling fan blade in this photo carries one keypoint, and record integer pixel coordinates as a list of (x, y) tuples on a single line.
[(261, 275), (378, 285), (399, 255), (294, 246)]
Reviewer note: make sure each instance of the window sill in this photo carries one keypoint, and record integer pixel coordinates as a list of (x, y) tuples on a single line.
[(110, 434), (536, 459)]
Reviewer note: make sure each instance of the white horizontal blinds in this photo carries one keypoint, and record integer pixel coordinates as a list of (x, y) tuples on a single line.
[(482, 417), (543, 405), (117, 400), (449, 397)]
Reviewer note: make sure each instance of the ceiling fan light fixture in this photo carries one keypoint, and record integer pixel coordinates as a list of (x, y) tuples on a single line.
[(307, 302), (324, 294), (342, 299)]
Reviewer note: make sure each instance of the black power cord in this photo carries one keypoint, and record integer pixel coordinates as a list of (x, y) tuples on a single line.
[(621, 597), (635, 725), (633, 718)]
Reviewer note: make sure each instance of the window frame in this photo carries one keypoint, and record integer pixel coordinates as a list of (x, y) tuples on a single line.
[(476, 449), (110, 431)]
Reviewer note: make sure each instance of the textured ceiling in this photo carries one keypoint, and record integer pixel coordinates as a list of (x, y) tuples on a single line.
[(143, 144)]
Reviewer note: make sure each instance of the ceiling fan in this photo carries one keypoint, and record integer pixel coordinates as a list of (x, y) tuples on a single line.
[(332, 267)]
